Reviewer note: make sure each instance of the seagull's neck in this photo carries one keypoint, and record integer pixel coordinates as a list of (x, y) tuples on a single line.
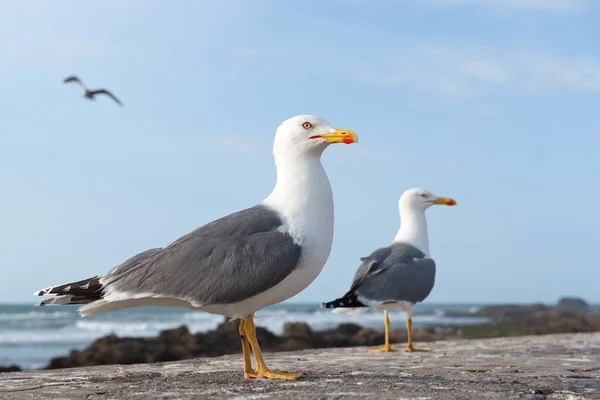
[(302, 195), (413, 229)]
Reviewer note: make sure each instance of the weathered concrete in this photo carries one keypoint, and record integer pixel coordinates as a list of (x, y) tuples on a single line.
[(556, 366)]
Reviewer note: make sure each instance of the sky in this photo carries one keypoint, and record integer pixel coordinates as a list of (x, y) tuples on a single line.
[(491, 102)]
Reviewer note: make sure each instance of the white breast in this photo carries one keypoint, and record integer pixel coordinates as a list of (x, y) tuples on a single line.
[(304, 199)]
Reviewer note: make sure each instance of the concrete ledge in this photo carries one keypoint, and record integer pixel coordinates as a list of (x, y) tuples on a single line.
[(565, 366)]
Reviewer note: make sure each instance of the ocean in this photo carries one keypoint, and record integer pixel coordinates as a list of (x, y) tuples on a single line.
[(31, 336)]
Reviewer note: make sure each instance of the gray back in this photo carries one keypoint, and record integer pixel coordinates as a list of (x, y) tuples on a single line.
[(399, 272), (225, 261)]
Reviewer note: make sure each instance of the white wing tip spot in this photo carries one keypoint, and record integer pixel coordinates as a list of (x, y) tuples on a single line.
[(43, 291)]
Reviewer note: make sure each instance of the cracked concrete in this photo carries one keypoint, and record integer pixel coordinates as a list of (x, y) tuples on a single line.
[(565, 366)]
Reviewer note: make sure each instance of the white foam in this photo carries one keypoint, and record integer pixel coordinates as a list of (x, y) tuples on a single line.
[(62, 336)]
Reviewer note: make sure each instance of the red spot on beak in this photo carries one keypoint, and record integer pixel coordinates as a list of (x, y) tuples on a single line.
[(348, 140), (450, 202), (315, 137)]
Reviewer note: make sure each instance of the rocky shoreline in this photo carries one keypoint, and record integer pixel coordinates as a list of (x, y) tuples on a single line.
[(568, 316)]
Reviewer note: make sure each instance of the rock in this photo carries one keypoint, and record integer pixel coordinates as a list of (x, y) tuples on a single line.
[(508, 311), (180, 344), (465, 369), (11, 368), (570, 305), (298, 336), (573, 305)]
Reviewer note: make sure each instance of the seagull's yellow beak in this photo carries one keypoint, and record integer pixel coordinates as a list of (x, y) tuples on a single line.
[(338, 136), (445, 201)]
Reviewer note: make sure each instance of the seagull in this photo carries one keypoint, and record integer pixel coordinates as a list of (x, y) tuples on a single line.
[(401, 274), (91, 93), (240, 263)]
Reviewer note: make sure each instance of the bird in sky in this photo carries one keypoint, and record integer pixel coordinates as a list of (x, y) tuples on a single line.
[(401, 274), (240, 263), (90, 94)]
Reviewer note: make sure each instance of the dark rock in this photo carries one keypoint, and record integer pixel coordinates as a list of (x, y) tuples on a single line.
[(180, 344), (348, 329), (573, 305), (10, 368), (298, 336), (508, 311)]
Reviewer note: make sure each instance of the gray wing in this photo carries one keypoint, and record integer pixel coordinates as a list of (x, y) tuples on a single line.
[(106, 92), (135, 260), (369, 265), (223, 262), (400, 273)]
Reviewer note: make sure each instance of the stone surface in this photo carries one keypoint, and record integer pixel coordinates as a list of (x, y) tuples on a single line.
[(565, 366)]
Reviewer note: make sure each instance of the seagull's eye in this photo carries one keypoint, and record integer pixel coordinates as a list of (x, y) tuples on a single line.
[(423, 195), (307, 125)]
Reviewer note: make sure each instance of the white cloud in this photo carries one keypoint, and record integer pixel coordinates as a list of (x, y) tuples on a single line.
[(464, 71), (537, 5), (486, 71)]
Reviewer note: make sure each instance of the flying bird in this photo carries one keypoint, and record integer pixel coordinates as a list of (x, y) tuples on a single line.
[(400, 275), (91, 93), (242, 262)]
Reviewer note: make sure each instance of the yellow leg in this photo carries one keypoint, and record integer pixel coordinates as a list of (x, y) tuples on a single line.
[(261, 368), (386, 347), (409, 347), (245, 349)]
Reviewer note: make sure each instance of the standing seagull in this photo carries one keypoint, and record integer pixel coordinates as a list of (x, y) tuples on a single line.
[(399, 275), (240, 263), (91, 93)]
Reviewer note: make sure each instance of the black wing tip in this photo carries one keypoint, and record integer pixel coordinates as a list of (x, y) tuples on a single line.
[(90, 286), (344, 302)]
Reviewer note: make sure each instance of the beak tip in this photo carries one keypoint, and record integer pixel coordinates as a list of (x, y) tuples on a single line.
[(450, 202)]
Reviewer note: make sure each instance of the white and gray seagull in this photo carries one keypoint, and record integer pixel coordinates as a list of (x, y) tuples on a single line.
[(399, 275), (240, 263)]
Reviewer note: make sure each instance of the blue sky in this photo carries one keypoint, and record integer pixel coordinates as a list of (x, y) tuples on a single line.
[(491, 102)]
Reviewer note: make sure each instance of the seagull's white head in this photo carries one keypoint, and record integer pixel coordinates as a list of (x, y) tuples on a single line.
[(419, 199), (305, 135)]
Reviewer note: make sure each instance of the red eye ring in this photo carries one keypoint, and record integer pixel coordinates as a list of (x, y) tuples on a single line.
[(307, 125)]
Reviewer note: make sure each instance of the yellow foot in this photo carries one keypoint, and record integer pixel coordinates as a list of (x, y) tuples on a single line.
[(410, 349), (273, 375), (384, 349)]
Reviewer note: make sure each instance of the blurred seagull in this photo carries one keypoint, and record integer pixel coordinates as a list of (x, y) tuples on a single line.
[(400, 275), (91, 93)]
